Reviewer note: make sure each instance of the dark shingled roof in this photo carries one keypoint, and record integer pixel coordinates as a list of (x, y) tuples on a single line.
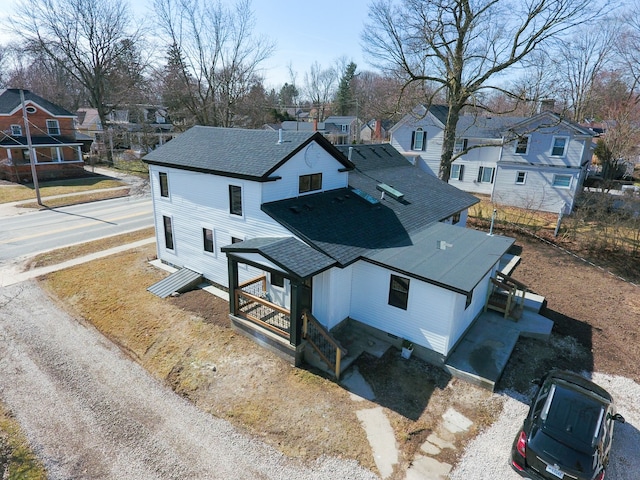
[(288, 253), (235, 152), (10, 100), (347, 226)]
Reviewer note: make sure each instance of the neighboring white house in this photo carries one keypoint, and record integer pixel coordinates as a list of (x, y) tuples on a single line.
[(537, 163), (285, 222)]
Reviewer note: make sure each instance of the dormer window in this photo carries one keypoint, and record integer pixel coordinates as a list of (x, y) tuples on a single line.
[(53, 127), (522, 145), (16, 130), (418, 139), (460, 145)]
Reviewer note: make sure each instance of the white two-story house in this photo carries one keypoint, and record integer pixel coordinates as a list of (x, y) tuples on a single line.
[(303, 235), (537, 163)]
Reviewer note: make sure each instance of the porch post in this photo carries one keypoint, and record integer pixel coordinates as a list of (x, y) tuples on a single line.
[(295, 320), (232, 271)]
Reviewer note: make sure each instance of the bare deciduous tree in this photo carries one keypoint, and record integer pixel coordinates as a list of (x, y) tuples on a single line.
[(219, 55), (86, 38), (460, 45), (581, 60), (319, 86)]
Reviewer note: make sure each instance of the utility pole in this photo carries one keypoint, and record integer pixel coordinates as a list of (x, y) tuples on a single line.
[(32, 153)]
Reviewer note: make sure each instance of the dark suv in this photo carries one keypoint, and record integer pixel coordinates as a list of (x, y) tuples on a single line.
[(568, 431)]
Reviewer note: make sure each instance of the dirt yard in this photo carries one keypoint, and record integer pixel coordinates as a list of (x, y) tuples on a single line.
[(187, 342)]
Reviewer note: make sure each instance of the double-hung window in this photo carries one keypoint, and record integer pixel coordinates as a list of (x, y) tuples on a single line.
[(310, 183), (168, 232), (457, 171), (418, 139), (207, 240), (16, 130), (559, 146), (485, 174), (522, 145), (53, 127), (521, 178), (460, 145), (235, 200), (164, 184), (399, 292)]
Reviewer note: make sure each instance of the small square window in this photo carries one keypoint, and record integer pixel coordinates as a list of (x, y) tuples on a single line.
[(559, 146), (53, 128), (168, 232), (310, 183), (521, 177), (562, 181), (235, 200), (207, 239), (236, 240), (16, 130), (522, 145), (457, 171), (277, 279), (164, 184), (399, 292)]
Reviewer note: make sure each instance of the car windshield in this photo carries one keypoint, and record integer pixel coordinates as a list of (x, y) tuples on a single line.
[(571, 417)]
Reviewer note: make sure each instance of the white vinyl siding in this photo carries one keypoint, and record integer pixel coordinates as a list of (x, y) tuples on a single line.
[(427, 319), (312, 159), (198, 198), (332, 296), (537, 193)]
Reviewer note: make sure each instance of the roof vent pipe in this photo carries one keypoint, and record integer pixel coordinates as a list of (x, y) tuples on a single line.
[(279, 136), (350, 152)]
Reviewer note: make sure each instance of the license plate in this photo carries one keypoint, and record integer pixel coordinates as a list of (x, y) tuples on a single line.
[(555, 471)]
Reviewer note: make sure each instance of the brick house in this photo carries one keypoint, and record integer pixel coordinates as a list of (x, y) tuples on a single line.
[(58, 152)]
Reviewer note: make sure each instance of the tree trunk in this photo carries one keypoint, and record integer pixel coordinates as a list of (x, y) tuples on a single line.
[(448, 142)]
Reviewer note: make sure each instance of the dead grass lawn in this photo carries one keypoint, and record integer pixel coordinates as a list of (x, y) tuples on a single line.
[(187, 342), (16, 192)]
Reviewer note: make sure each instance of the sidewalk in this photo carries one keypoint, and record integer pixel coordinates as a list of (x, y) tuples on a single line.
[(10, 275), (136, 185)]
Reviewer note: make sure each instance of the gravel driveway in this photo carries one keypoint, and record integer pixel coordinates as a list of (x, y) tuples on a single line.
[(91, 412), (487, 456)]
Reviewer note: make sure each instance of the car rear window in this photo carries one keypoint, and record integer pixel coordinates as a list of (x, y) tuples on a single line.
[(569, 415)]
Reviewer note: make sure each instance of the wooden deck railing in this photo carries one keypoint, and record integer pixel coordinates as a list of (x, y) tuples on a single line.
[(250, 301), (329, 349), (506, 294)]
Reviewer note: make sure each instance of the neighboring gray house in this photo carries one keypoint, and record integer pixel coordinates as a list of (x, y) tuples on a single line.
[(342, 130), (287, 224), (537, 163)]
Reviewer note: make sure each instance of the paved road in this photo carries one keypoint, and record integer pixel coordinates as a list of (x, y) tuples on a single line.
[(92, 413), (43, 230)]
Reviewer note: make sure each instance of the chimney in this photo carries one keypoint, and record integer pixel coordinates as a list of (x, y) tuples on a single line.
[(547, 105), (378, 130), (315, 124)]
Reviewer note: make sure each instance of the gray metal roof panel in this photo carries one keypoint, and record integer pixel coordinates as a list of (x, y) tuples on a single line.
[(179, 281), (466, 257)]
